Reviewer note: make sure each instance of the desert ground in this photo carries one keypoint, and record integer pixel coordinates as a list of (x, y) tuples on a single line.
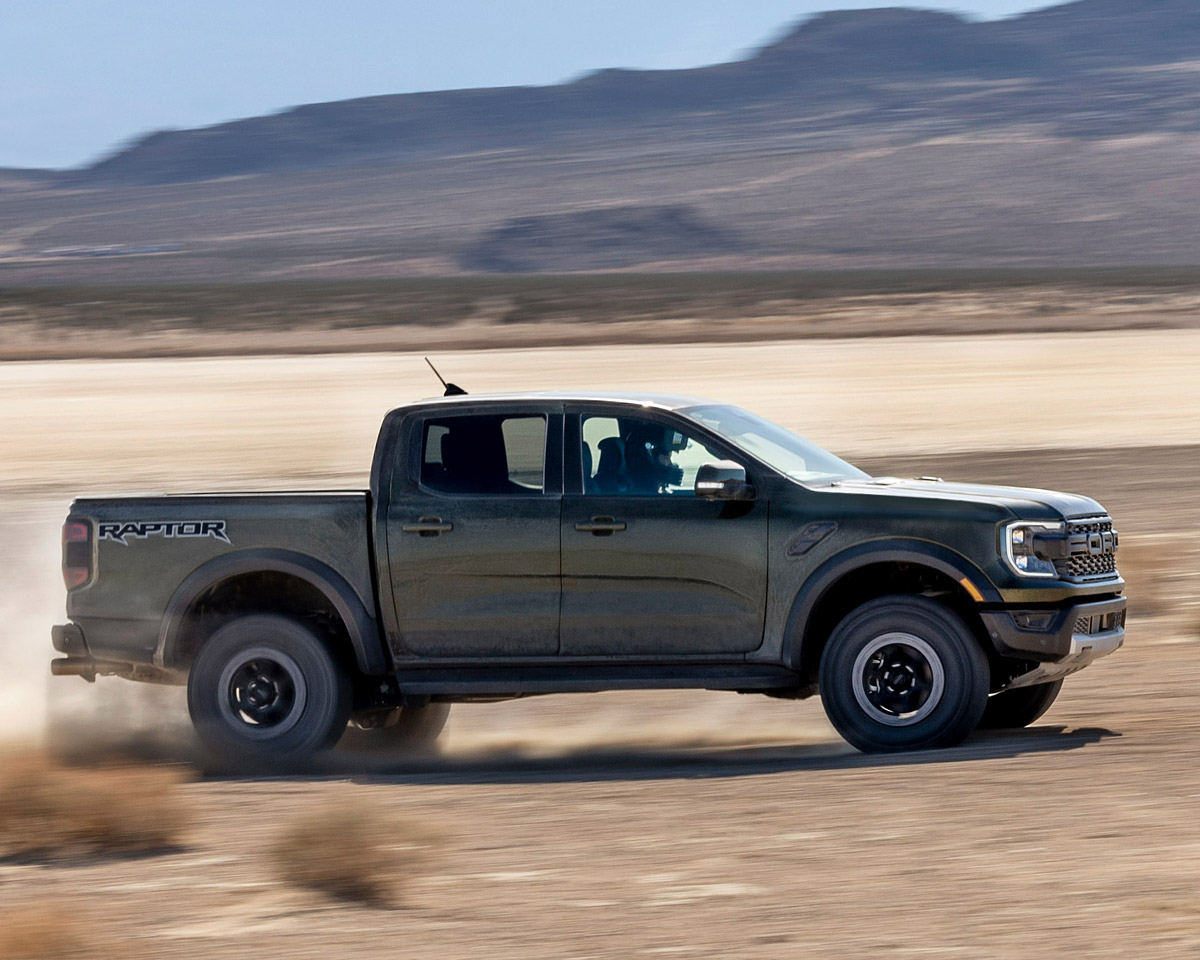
[(689, 824)]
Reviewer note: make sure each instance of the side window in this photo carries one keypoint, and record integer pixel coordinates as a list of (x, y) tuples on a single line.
[(525, 450), (627, 455), (486, 454)]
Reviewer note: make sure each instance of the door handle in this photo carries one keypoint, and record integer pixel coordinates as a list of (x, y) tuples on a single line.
[(601, 526), (428, 527)]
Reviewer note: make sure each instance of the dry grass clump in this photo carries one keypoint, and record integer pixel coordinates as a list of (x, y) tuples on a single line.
[(352, 853), (40, 932), (48, 811), (1146, 569)]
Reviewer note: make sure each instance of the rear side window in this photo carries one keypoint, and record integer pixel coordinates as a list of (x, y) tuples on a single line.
[(496, 454)]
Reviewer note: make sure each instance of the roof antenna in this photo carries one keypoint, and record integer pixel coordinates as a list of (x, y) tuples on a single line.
[(452, 389)]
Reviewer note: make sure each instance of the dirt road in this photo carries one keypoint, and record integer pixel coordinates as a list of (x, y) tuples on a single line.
[(698, 825), (713, 826)]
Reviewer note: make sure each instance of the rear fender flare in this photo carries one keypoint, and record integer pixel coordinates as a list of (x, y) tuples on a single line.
[(359, 621), (823, 579)]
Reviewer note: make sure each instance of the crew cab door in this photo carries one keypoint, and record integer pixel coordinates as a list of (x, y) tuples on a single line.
[(648, 567), (472, 533)]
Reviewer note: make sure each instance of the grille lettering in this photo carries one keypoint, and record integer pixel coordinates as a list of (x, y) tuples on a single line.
[(1093, 545)]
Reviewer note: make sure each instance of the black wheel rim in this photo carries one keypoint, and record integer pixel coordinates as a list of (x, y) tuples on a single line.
[(898, 679), (262, 693)]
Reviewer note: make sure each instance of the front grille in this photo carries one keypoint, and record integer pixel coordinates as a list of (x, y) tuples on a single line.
[(1090, 525), (1087, 567), (1093, 550)]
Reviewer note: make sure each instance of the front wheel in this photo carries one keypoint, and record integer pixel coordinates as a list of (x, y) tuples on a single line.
[(1013, 709), (903, 673), (265, 692)]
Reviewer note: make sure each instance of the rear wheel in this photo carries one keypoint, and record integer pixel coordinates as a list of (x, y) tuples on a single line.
[(1013, 709), (265, 692), (409, 731), (903, 673)]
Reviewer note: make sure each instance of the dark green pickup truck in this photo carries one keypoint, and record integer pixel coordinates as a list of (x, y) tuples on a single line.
[(513, 545)]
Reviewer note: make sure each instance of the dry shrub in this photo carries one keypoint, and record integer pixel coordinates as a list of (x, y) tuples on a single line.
[(48, 811), (39, 932), (352, 853), (1146, 568)]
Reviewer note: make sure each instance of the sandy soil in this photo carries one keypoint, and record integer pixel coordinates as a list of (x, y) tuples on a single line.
[(632, 824), (122, 425)]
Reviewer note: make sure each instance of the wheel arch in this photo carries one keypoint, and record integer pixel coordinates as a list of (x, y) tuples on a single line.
[(362, 631), (825, 596)]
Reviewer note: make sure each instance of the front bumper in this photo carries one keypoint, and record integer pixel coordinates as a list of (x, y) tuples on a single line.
[(1061, 641)]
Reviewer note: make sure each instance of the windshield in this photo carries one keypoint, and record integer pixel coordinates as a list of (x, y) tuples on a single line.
[(791, 455)]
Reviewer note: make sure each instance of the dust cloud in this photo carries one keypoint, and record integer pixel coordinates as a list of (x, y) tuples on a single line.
[(108, 719), (31, 601), (630, 722)]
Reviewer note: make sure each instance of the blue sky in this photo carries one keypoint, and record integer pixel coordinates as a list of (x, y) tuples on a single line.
[(79, 77)]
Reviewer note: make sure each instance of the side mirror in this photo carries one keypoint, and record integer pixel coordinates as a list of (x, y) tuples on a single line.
[(723, 480)]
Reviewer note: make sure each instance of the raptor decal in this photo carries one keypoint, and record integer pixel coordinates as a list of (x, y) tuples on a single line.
[(170, 529)]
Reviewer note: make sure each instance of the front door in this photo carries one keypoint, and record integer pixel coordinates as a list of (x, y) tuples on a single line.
[(472, 531), (649, 568)]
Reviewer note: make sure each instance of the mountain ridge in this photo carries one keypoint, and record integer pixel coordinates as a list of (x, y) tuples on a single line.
[(889, 67), (881, 139)]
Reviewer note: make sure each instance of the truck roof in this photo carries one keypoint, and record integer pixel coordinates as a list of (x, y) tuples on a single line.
[(664, 401)]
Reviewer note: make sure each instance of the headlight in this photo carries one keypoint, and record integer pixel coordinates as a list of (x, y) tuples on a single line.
[(1025, 547)]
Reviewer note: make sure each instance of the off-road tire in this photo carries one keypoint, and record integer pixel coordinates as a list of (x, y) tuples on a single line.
[(414, 733), (903, 673), (237, 672), (1013, 709)]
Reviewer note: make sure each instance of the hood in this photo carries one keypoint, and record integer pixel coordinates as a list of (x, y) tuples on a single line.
[(1022, 501)]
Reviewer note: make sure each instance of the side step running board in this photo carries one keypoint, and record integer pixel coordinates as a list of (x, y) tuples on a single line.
[(591, 678)]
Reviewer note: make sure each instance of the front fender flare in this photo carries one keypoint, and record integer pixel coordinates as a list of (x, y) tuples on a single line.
[(360, 622), (893, 550)]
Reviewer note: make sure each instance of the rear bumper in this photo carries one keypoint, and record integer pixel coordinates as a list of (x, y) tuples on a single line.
[(68, 638)]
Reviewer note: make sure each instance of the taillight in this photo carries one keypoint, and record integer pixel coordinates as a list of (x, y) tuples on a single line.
[(77, 552)]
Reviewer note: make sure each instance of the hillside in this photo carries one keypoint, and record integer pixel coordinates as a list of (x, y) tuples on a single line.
[(867, 139), (834, 73)]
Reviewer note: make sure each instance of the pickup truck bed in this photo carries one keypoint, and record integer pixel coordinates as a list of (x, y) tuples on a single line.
[(161, 555)]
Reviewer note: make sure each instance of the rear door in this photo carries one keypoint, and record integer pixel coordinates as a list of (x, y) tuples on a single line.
[(473, 534), (649, 569)]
